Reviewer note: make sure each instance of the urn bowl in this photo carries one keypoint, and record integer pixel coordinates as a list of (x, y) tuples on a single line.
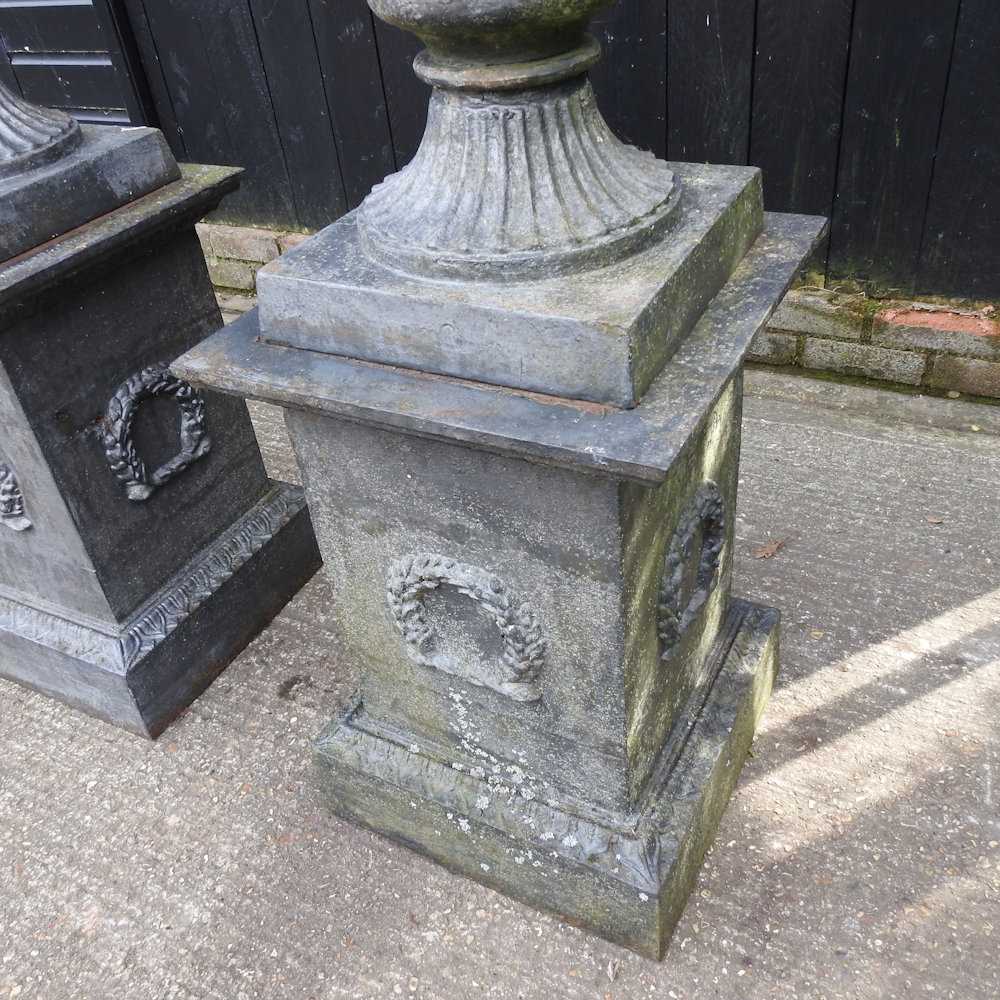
[(493, 30)]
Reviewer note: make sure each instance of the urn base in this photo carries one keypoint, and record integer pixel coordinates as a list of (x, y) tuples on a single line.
[(624, 876), (110, 168)]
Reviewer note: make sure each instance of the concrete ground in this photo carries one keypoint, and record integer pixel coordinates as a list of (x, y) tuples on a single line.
[(860, 857)]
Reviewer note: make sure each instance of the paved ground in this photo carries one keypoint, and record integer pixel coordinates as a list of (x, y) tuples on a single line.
[(860, 857)]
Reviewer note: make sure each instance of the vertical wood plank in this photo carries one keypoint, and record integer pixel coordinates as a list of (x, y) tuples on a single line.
[(900, 52), (213, 70), (710, 73), (961, 242), (631, 79), (291, 64), (149, 60), (406, 94), (345, 36), (798, 95), (121, 45)]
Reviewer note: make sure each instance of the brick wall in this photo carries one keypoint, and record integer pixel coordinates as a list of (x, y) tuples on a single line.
[(934, 346), (909, 343), (234, 256)]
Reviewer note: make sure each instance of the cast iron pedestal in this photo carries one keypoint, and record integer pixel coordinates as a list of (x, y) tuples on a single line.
[(141, 543), (513, 383)]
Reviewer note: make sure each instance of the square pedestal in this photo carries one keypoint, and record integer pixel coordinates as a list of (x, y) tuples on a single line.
[(141, 542), (557, 687)]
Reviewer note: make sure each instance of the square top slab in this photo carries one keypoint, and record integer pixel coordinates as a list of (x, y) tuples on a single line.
[(601, 336), (638, 445)]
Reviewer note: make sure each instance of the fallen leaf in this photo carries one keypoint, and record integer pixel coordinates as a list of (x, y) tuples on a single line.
[(768, 551), (935, 520)]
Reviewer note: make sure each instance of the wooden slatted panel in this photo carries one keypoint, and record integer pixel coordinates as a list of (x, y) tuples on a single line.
[(406, 96), (631, 79), (710, 73), (348, 55), (154, 77), (798, 97), (220, 97), (86, 85), (961, 243), (320, 103), (47, 27), (291, 64), (68, 55), (900, 52)]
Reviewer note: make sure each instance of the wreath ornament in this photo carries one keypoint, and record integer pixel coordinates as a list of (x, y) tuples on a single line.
[(116, 434), (681, 597), (12, 500), (411, 578)]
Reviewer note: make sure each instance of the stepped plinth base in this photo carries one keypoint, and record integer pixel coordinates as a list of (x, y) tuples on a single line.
[(625, 877), (141, 676)]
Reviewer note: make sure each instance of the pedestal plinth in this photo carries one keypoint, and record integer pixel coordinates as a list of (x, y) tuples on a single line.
[(141, 543), (512, 379), (558, 688)]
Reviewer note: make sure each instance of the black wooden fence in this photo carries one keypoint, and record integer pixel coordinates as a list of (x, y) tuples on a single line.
[(882, 114)]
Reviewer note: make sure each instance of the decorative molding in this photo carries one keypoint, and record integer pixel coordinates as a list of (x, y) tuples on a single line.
[(12, 501), (31, 136), (518, 176), (627, 849), (700, 536), (81, 642), (409, 581), (118, 650), (515, 187), (116, 434), (209, 572)]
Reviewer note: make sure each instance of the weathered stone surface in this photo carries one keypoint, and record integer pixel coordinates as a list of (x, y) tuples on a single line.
[(111, 167), (819, 313), (33, 136), (578, 564), (536, 592), (518, 176), (600, 335), (139, 673), (774, 348), (238, 242), (625, 877), (864, 360), (233, 274), (523, 475), (981, 378)]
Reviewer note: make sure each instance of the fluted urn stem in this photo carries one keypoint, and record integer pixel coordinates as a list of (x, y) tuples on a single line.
[(31, 136), (518, 175)]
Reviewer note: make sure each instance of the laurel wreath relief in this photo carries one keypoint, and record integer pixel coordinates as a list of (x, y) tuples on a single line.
[(679, 604), (116, 434), (411, 578)]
